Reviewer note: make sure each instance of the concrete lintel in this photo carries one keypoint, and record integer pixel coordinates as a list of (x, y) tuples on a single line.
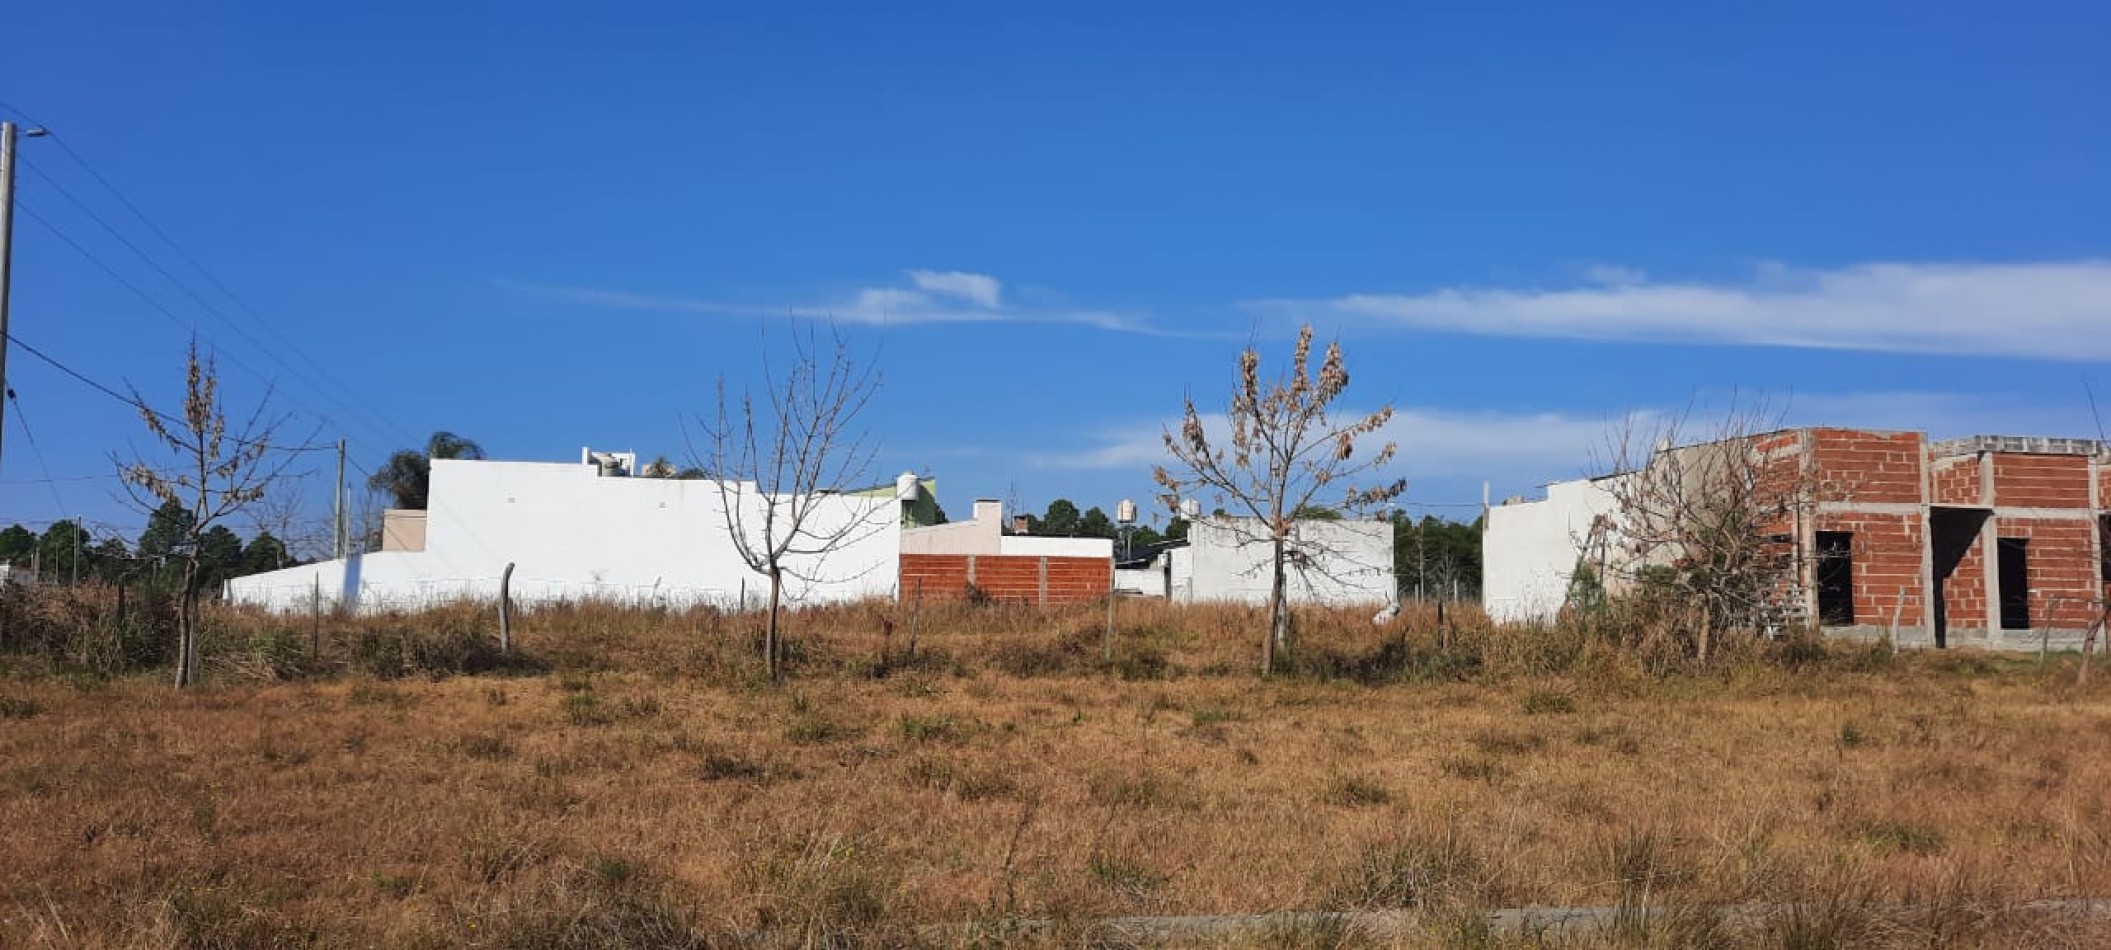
[(1871, 508), (2048, 514)]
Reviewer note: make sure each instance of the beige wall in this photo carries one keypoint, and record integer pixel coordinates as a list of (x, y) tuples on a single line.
[(984, 534), (402, 530)]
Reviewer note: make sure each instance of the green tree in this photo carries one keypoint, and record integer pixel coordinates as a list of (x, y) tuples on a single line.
[(1061, 519), (1176, 529), (17, 543), (1434, 557), (407, 475), (264, 553), (219, 555), (65, 552), (112, 560), (167, 528), (1095, 524)]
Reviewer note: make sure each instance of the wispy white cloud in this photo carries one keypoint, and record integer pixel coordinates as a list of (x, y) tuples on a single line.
[(927, 297), (980, 289), (2048, 310), (1431, 441), (1517, 450)]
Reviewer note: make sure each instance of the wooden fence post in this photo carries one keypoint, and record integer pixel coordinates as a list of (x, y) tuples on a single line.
[(916, 610), (1107, 648), (315, 620), (505, 610)]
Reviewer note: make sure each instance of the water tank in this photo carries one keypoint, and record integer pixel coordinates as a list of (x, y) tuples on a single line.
[(1190, 508), (1125, 512), (907, 488)]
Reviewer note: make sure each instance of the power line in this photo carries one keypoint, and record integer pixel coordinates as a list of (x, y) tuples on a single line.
[(356, 403), (245, 336), (22, 421), (106, 476), (76, 374), (133, 402)]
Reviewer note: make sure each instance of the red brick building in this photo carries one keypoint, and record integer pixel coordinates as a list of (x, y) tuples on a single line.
[(1988, 539)]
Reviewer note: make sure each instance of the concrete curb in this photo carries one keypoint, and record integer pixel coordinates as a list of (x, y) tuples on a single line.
[(1549, 921)]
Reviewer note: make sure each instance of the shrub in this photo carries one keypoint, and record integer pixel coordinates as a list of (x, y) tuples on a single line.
[(1406, 872), (13, 708), (1548, 702), (1356, 791), (436, 644)]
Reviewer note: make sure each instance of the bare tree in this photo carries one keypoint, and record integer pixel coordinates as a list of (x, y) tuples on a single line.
[(216, 473), (1283, 451), (776, 461), (1707, 532), (283, 513)]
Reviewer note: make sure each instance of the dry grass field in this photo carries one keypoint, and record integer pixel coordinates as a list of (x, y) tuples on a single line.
[(632, 784)]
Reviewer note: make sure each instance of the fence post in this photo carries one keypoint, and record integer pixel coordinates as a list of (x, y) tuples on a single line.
[(1107, 648), (916, 610), (505, 610), (1044, 583), (315, 620)]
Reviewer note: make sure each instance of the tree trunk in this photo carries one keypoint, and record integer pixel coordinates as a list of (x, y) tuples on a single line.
[(187, 627), (1278, 615), (770, 649), (1707, 626)]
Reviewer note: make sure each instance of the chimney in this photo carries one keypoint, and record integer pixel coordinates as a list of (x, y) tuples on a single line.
[(989, 509)]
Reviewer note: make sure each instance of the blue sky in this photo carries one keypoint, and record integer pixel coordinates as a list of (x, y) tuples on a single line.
[(546, 226)]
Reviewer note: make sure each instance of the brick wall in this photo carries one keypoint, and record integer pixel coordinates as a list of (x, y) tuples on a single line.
[(1887, 558), (2064, 576), (1036, 580), (1964, 594), (1955, 480), (2041, 481), (1868, 467)]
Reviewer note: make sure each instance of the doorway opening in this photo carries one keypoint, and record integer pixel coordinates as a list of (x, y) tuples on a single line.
[(1835, 578), (2014, 580)]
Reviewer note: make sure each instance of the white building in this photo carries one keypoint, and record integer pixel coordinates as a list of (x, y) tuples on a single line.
[(1230, 560), (589, 531), (1531, 548)]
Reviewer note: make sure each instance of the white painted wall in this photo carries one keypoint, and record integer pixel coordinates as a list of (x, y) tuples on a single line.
[(1530, 549), (574, 535), (1180, 575), (1026, 545), (1147, 581), (1229, 559)]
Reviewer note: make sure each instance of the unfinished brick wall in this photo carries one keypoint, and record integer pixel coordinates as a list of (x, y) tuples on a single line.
[(1867, 467), (2064, 575), (2041, 481), (1964, 594), (1955, 481), (1034, 580), (1887, 561)]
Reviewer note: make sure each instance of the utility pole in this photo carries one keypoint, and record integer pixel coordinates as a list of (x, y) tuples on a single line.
[(7, 235), (339, 500)]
